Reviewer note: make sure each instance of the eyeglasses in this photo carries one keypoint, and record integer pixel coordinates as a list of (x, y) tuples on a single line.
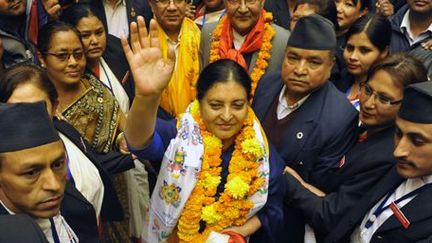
[(367, 91), (238, 2), (168, 2), (65, 56)]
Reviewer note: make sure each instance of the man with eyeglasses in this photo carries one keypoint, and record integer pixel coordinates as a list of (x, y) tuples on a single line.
[(246, 35), (180, 33), (309, 121)]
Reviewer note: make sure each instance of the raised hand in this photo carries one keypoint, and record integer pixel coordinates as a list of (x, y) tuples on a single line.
[(149, 69), (52, 8), (384, 8)]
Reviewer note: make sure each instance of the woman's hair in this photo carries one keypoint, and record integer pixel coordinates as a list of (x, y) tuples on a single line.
[(46, 33), (363, 3), (376, 27), (222, 71), (402, 67), (325, 8), (20, 74), (75, 13)]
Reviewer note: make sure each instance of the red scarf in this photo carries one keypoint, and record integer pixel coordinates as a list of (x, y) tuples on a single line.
[(252, 43)]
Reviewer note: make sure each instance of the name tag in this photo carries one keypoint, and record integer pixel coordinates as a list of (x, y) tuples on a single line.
[(400, 216)]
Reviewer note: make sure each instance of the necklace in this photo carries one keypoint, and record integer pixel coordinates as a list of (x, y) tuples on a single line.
[(232, 206), (263, 55)]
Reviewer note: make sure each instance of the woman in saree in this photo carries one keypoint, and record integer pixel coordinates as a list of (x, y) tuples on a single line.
[(219, 177), (86, 104)]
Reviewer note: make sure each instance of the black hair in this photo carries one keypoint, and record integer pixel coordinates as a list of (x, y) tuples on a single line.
[(363, 3), (325, 8), (46, 33), (22, 74), (75, 13), (376, 27), (222, 71), (402, 67)]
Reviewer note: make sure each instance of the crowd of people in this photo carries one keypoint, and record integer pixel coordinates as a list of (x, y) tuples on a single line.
[(215, 121)]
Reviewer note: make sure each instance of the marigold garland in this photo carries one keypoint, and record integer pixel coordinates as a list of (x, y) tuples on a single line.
[(263, 55), (233, 205)]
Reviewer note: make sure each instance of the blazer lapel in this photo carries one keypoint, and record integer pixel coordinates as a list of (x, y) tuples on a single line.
[(302, 125), (390, 181), (267, 91), (253, 61)]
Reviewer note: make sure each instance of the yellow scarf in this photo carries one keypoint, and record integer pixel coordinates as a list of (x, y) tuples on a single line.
[(181, 89)]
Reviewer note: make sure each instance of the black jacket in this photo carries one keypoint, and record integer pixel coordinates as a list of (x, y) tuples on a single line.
[(418, 211), (107, 164), (365, 164)]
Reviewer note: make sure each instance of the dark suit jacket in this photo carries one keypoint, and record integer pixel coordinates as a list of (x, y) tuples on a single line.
[(78, 213), (106, 164), (418, 211), (20, 228), (134, 8), (281, 15), (365, 164), (117, 62), (326, 121)]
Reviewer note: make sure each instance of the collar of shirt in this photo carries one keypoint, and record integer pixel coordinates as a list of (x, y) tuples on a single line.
[(427, 179), (174, 44), (118, 3), (7, 209), (238, 39), (283, 109), (405, 28)]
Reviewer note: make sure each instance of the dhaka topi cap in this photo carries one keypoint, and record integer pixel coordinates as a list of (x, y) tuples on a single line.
[(313, 32), (25, 125), (417, 103)]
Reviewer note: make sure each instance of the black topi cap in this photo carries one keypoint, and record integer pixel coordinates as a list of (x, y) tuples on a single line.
[(313, 32), (417, 103), (25, 125)]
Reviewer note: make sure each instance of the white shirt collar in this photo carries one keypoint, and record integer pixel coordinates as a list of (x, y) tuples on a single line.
[(405, 28), (119, 2), (427, 179), (7, 209), (238, 39), (283, 109)]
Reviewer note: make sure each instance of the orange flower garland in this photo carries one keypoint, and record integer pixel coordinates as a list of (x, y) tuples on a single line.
[(233, 205), (263, 55)]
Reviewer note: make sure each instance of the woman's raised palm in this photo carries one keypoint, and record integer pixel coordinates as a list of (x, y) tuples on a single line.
[(149, 69)]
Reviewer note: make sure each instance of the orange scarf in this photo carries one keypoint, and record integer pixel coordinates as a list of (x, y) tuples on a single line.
[(252, 43)]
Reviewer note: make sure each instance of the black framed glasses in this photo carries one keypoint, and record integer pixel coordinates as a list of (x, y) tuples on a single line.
[(367, 91), (65, 56)]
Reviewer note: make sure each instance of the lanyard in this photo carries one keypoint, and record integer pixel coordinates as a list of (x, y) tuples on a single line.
[(110, 87), (54, 231), (381, 208), (55, 235), (69, 176)]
